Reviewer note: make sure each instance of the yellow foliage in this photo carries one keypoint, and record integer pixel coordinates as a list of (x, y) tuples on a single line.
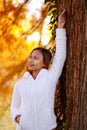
[(15, 48), (15, 27)]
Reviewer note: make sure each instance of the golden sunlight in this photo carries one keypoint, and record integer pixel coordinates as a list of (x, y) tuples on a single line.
[(45, 32), (23, 26)]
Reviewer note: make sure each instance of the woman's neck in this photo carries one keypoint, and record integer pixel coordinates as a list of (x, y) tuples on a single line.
[(35, 73)]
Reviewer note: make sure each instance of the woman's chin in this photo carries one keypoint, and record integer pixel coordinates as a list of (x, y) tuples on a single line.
[(30, 68)]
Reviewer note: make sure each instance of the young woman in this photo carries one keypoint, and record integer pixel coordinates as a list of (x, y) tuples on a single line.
[(32, 104)]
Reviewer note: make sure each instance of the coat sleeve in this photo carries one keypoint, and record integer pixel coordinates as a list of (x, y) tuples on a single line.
[(60, 55), (15, 103)]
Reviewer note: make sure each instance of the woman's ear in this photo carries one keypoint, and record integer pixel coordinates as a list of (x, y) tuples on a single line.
[(44, 66)]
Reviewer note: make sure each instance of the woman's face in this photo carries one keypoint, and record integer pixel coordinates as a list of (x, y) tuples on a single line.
[(35, 61)]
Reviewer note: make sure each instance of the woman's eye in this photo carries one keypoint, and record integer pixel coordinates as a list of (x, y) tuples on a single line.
[(33, 57), (36, 58), (30, 57)]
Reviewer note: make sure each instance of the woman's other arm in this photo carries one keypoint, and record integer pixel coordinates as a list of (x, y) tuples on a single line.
[(15, 104)]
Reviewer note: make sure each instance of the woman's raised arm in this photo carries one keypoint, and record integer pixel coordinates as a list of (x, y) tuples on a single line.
[(60, 54)]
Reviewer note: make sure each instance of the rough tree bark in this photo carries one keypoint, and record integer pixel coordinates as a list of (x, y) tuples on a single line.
[(76, 64)]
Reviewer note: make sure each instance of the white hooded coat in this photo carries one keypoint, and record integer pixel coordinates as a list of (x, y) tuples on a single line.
[(33, 99)]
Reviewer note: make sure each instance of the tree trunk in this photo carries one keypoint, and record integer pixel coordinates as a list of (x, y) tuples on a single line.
[(76, 64)]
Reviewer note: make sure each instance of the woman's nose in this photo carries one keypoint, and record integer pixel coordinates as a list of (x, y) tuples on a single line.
[(30, 60)]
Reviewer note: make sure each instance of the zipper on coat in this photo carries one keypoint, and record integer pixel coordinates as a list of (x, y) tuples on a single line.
[(34, 106)]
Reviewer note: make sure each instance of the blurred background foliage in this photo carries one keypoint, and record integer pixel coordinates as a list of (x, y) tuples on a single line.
[(24, 24)]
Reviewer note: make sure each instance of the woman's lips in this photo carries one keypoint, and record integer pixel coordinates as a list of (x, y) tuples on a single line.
[(31, 65)]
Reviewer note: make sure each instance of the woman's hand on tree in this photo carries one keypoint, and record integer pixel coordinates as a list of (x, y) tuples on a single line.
[(62, 19)]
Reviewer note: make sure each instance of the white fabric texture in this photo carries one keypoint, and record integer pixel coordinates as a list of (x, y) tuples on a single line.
[(34, 99)]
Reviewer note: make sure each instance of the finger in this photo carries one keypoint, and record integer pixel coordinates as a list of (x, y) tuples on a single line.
[(63, 13)]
